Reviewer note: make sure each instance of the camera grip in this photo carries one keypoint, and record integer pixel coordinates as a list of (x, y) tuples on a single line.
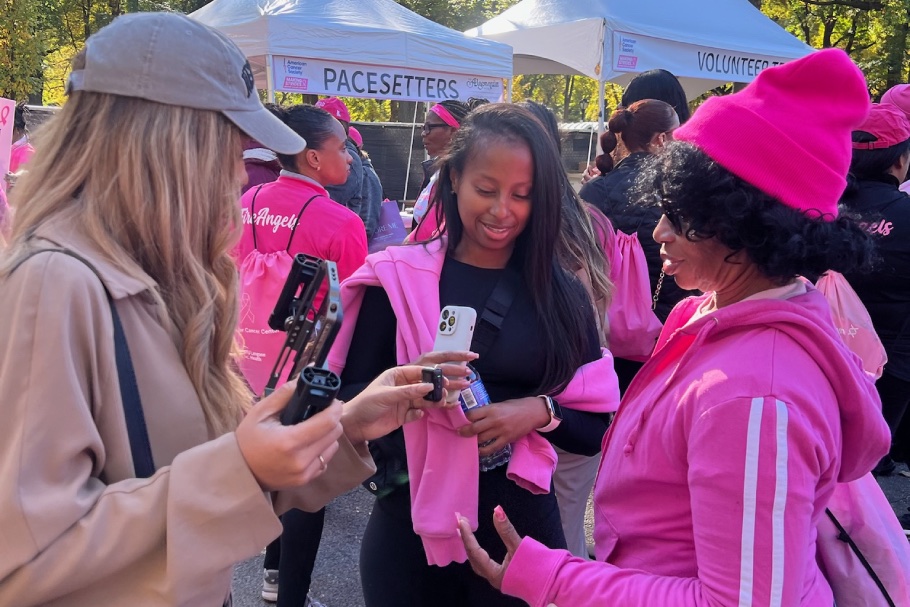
[(316, 390)]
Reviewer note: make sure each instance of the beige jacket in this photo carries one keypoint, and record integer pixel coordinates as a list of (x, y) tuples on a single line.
[(76, 527)]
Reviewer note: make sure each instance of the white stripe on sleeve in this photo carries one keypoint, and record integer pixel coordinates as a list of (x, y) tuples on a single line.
[(780, 504), (750, 489)]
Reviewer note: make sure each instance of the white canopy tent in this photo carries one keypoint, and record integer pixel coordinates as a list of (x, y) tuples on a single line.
[(703, 42), (358, 48)]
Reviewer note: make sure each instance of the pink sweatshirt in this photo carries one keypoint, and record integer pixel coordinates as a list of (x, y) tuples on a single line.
[(719, 465), (443, 467), (328, 230)]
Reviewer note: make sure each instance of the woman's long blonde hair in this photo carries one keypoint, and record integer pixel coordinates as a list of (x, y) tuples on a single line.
[(155, 188)]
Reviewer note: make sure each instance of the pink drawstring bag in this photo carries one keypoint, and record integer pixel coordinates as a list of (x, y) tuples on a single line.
[(853, 322), (633, 325), (861, 547), (262, 275)]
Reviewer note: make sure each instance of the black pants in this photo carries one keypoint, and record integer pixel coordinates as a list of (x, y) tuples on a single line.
[(895, 395), (393, 564), (294, 555)]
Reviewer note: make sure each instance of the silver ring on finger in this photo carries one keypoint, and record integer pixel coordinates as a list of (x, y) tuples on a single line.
[(322, 465)]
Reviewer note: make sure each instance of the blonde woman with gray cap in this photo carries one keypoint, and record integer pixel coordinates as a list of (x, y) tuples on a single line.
[(121, 243)]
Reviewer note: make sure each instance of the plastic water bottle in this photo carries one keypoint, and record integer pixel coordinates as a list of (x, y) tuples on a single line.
[(474, 397)]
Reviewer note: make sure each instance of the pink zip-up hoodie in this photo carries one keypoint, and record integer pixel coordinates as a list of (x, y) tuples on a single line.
[(719, 465), (443, 467)]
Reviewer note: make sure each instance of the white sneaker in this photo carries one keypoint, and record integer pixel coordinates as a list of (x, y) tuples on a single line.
[(270, 585)]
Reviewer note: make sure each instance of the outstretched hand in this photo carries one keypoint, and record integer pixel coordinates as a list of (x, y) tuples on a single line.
[(480, 561), (391, 400)]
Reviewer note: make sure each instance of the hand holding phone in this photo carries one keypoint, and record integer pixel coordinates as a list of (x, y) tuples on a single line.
[(454, 332)]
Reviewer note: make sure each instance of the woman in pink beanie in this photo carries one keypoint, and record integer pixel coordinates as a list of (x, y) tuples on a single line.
[(728, 444)]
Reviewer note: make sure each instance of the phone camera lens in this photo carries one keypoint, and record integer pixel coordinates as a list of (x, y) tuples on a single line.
[(442, 326), (451, 321), (445, 314)]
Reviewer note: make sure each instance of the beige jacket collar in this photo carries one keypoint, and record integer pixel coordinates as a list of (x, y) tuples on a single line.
[(119, 283)]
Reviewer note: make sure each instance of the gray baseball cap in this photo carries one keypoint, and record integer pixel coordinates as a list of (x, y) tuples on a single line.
[(172, 59)]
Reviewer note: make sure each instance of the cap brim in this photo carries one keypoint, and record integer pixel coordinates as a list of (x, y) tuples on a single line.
[(268, 130)]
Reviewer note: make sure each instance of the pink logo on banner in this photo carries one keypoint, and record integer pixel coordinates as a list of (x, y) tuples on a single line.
[(297, 84), (626, 62)]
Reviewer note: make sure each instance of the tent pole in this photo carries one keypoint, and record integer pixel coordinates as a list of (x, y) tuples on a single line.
[(509, 91), (269, 78), (590, 145), (600, 118), (407, 175)]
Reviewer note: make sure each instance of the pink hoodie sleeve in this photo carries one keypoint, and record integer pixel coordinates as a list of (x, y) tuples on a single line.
[(594, 388), (755, 466)]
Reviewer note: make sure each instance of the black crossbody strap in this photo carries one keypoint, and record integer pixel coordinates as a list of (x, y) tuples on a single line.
[(297, 223), (495, 310), (140, 448), (845, 537), (253, 215)]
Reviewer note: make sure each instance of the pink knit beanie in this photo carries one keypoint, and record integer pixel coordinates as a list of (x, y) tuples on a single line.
[(788, 132), (899, 96)]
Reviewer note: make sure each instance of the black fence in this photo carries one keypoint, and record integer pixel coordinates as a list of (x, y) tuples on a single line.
[(388, 144)]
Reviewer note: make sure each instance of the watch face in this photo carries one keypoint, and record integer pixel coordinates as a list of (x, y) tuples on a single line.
[(557, 410)]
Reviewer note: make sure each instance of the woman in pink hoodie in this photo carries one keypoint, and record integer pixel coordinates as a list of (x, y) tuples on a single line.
[(729, 442), (500, 187)]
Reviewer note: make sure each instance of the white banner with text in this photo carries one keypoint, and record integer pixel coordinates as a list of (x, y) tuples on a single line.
[(637, 53), (318, 77)]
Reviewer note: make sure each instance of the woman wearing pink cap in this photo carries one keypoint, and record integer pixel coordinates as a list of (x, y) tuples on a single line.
[(899, 97), (727, 446), (881, 156)]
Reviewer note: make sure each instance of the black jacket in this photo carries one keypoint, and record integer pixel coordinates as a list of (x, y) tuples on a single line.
[(610, 194), (886, 289)]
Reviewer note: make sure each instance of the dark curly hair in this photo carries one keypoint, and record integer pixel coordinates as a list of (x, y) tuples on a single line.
[(704, 200)]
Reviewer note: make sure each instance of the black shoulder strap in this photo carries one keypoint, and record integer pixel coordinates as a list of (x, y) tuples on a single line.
[(845, 537), (297, 223), (495, 310), (140, 448), (253, 215)]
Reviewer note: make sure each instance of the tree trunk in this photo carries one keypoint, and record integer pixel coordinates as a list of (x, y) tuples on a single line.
[(567, 97), (896, 52)]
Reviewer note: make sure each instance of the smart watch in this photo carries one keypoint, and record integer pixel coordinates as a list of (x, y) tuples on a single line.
[(555, 412)]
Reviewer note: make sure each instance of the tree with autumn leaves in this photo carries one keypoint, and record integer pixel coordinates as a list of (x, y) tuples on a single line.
[(39, 37)]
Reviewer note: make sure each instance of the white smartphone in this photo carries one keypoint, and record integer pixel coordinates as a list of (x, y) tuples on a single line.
[(455, 331)]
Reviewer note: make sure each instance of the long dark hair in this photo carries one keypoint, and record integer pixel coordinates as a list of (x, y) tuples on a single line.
[(561, 303)]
